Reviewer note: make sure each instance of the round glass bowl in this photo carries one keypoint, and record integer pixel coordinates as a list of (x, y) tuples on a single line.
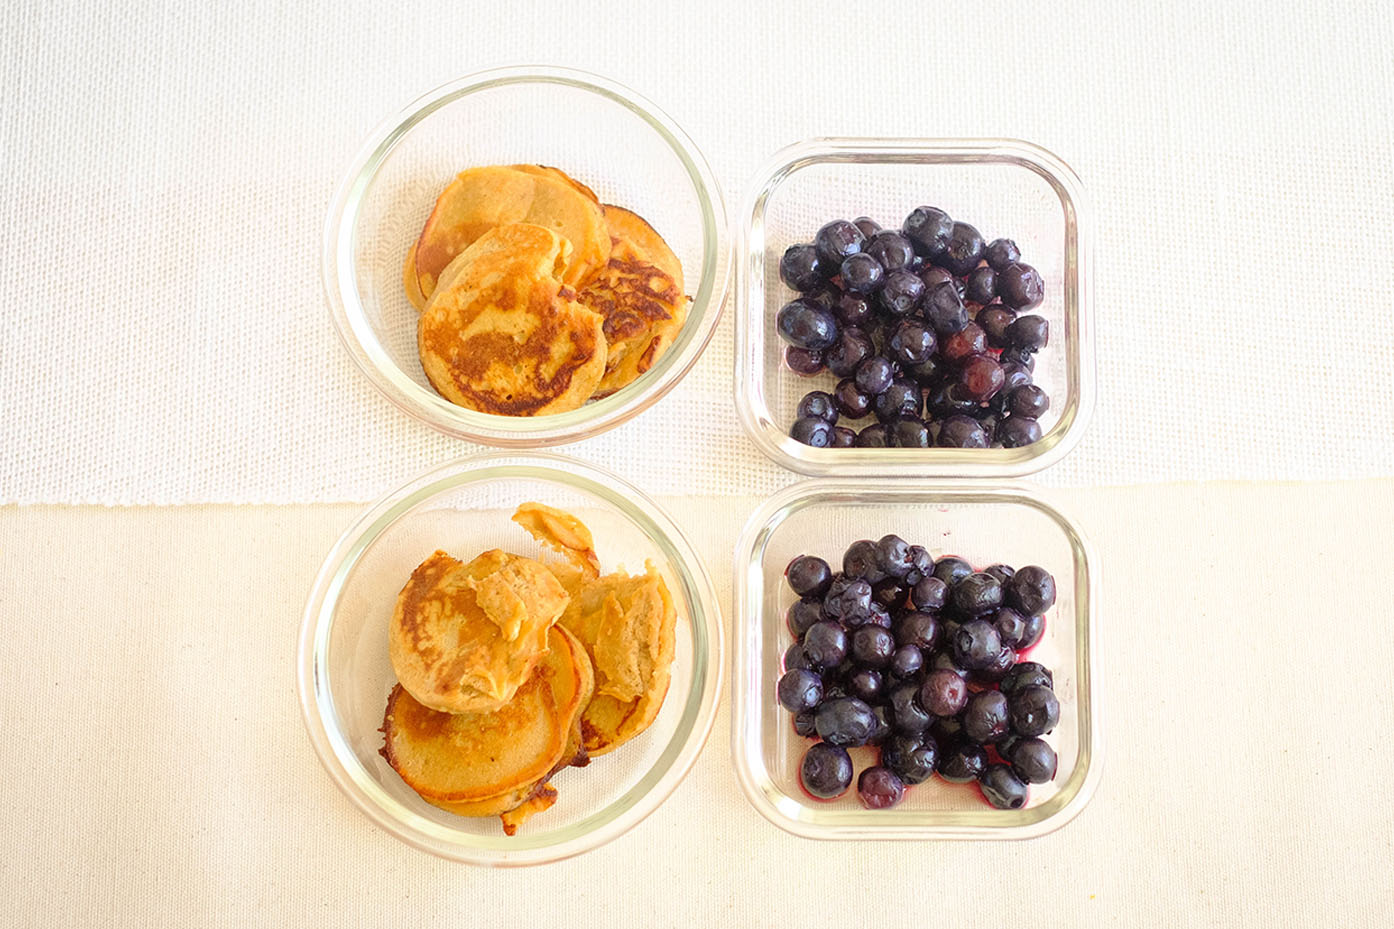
[(601, 133), (344, 673), (984, 524), (1005, 187)]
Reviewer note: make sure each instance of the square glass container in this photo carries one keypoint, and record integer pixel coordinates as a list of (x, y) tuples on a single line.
[(983, 524), (1004, 187)]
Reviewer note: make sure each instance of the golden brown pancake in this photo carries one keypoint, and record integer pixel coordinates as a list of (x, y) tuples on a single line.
[(491, 763), (559, 174), (480, 199), (643, 304), (502, 335), (409, 280), (566, 534), (627, 627), (465, 637)]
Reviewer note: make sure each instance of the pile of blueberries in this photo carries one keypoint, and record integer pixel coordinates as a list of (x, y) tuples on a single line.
[(919, 658), (925, 328)]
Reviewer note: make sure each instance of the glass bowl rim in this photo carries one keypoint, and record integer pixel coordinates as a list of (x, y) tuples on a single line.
[(620, 815), (748, 581), (338, 272), (932, 462)]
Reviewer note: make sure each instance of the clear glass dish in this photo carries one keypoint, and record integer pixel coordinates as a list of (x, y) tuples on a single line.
[(1006, 188), (570, 119), (983, 524), (344, 673)]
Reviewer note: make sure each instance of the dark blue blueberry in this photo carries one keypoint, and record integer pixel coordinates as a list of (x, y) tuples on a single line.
[(877, 435), (893, 555), (878, 616), (794, 658), (961, 761), (951, 569), (933, 276), (1035, 710), (865, 683), (803, 361), (907, 716), (976, 645), (918, 629), (928, 230), (1018, 356), (944, 692), (800, 268), (802, 615), (960, 431), (835, 242), (809, 576), (825, 644), (980, 378), (994, 321), (900, 399), (860, 560), (890, 593), (851, 401), (931, 592), (1033, 761), (944, 309), (799, 690), (945, 400), (997, 670), (879, 788), (1018, 431), (1000, 253), (1031, 590), (911, 342), (1002, 788), (874, 375), (818, 403), (921, 565), (946, 730), (900, 293), (906, 662), (1027, 674), (1035, 628), (852, 310), (981, 286), (826, 771), (892, 249), (909, 758), (867, 225), (1028, 402), (825, 296), (813, 431), (804, 325), (1020, 286), (977, 593), (843, 437), (849, 601), (986, 717), (872, 646), (909, 432), (1011, 626), (862, 274), (963, 250), (844, 721), (1001, 572), (803, 724), (1028, 333), (927, 372)]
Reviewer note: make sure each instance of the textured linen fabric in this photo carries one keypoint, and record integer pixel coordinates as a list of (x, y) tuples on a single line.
[(165, 171), (157, 774)]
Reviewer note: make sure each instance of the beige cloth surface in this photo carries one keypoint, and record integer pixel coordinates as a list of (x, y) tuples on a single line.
[(156, 772)]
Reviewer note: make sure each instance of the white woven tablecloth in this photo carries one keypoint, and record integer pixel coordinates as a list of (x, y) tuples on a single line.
[(165, 171)]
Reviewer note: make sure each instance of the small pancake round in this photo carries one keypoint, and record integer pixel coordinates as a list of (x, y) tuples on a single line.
[(465, 637), (502, 335)]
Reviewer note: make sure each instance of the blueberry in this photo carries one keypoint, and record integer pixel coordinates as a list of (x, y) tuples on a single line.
[(931, 592), (961, 761), (804, 325), (1010, 625), (981, 378), (977, 593), (868, 226), (909, 758), (900, 399), (893, 555), (854, 310), (918, 629), (986, 716), (960, 431), (819, 404), (997, 670), (1018, 356), (1018, 431), (862, 560), (911, 342), (1028, 333), (1035, 628), (878, 616), (946, 730), (825, 296), (1031, 590), (880, 725), (976, 644), (889, 594), (1033, 761), (981, 286), (800, 268), (874, 375), (907, 716), (926, 372), (801, 617), (891, 249), (825, 644), (803, 724), (813, 431), (1027, 674), (877, 435), (994, 321), (849, 601), (794, 659), (933, 276), (800, 690), (865, 683), (809, 576), (844, 721), (951, 569), (1002, 788), (872, 646), (1000, 253), (837, 241), (843, 437), (944, 309), (1015, 375), (944, 692), (1020, 286), (862, 274), (826, 771), (901, 292), (804, 362), (968, 341), (928, 229), (1028, 402), (879, 789), (1000, 571), (906, 662), (1035, 710), (963, 250), (921, 565), (945, 399), (851, 401)]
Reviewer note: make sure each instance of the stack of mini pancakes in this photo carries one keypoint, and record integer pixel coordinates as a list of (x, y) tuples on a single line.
[(511, 669), (535, 296)]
